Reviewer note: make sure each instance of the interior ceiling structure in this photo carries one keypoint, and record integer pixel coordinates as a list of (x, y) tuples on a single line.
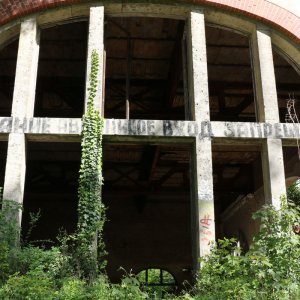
[(61, 71), (146, 168), (148, 173), (155, 169), (148, 51)]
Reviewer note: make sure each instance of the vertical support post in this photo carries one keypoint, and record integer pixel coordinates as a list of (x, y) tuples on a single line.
[(267, 105), (264, 76), (203, 207), (15, 170), (26, 70), (203, 221), (23, 106), (273, 171), (95, 42), (197, 69)]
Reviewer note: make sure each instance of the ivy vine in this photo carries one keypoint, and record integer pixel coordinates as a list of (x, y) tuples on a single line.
[(91, 210)]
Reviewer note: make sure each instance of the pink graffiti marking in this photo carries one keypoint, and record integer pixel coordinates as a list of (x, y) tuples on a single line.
[(205, 222)]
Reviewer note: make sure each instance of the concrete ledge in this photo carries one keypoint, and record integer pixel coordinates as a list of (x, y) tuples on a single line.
[(153, 128)]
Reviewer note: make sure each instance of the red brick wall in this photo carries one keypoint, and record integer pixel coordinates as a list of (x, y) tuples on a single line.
[(260, 10)]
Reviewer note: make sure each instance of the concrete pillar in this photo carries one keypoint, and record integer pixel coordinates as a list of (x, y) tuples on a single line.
[(23, 106), (15, 170), (273, 171), (197, 69), (203, 221), (203, 213), (26, 71), (267, 111), (264, 77), (95, 42)]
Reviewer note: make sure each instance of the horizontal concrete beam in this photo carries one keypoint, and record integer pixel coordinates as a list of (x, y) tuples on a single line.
[(152, 128), (53, 126), (251, 130)]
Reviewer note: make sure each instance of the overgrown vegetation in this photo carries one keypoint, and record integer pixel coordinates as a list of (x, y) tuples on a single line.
[(74, 270), (270, 269), (293, 193), (91, 210)]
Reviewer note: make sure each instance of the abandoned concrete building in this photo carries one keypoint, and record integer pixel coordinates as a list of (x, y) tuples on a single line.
[(200, 100)]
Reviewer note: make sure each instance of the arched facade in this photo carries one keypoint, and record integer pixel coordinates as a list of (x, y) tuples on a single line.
[(209, 151)]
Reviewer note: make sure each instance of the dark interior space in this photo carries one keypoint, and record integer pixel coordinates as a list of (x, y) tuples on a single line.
[(229, 76), (51, 187), (3, 154), (291, 158), (146, 190), (237, 172), (288, 88), (8, 61), (233, 168), (144, 68), (61, 71)]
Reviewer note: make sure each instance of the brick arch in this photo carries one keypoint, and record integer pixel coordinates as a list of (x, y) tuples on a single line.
[(260, 10)]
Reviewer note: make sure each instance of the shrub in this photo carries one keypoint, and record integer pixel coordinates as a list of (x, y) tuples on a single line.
[(9, 236), (35, 285), (293, 193), (270, 270)]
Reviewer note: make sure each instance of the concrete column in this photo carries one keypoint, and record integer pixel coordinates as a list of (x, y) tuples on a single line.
[(197, 68), (203, 214), (15, 170), (264, 77), (95, 42), (203, 221), (267, 111), (23, 106), (26, 71), (273, 171)]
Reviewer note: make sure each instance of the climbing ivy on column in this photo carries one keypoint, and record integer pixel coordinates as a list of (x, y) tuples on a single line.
[(91, 210)]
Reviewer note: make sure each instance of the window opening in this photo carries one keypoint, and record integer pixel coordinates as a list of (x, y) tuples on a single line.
[(157, 281), (238, 190), (229, 76), (51, 187), (147, 192), (292, 116), (288, 86), (8, 62), (144, 73), (291, 164), (61, 71), (292, 180)]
